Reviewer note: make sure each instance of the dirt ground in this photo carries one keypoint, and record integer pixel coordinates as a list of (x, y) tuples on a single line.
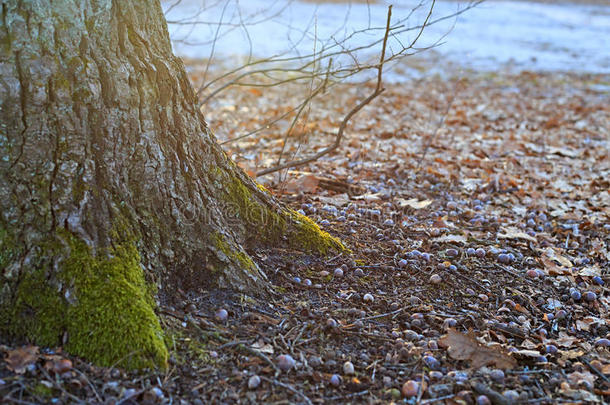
[(477, 210)]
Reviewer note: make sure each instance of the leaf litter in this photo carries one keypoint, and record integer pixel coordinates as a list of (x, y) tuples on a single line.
[(480, 257)]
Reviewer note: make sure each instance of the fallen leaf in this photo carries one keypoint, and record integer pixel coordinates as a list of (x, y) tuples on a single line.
[(450, 238), (515, 233), (590, 271), (21, 357), (413, 203), (466, 347)]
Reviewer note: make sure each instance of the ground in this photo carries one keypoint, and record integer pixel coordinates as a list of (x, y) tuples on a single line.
[(474, 203)]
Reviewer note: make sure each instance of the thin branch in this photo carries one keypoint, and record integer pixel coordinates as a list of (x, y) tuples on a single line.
[(354, 111)]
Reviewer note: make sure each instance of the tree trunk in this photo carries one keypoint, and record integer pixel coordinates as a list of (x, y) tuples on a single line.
[(113, 187)]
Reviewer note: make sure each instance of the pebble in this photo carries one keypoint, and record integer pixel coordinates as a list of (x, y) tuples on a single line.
[(598, 280), (315, 361), (435, 375), (338, 272), (221, 315), (497, 375), (331, 323), (590, 296), (324, 273), (602, 342), (285, 362), (435, 279), (402, 263), (307, 282), (359, 272), (431, 362), (551, 349), (368, 298), (410, 389), (335, 380), (451, 252), (483, 400), (511, 395), (348, 368), (387, 381), (480, 252), (254, 382)]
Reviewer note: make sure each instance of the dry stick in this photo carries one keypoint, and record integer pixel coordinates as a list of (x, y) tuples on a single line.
[(335, 145), (191, 322), (288, 387)]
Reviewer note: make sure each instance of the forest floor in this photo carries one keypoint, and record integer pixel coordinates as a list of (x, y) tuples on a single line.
[(477, 209)]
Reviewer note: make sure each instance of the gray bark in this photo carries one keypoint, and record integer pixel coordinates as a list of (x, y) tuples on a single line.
[(101, 139)]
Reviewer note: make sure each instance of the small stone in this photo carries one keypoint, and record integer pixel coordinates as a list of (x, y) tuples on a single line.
[(338, 272), (598, 280), (285, 362), (410, 389), (254, 382), (590, 296), (324, 273), (348, 368), (394, 393), (335, 380), (603, 342), (435, 279), (296, 280), (435, 375), (575, 295), (551, 349), (451, 252), (387, 381), (431, 362), (483, 400), (532, 273), (307, 282), (497, 375), (368, 298), (221, 315), (511, 395), (315, 361), (480, 252), (331, 323), (359, 272), (402, 263)]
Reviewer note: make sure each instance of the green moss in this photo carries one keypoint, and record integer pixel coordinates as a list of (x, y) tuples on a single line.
[(233, 253), (41, 390), (102, 305), (302, 233), (308, 236)]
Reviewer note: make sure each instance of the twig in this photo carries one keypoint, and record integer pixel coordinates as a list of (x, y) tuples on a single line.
[(240, 346), (495, 396), (595, 370), (288, 387), (354, 111), (381, 315), (355, 394)]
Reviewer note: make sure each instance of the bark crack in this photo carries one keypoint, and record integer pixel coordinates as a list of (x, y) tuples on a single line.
[(23, 105)]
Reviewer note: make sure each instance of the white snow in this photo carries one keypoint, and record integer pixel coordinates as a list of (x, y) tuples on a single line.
[(532, 36)]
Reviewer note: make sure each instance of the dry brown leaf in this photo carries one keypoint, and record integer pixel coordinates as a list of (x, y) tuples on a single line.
[(21, 357), (305, 184), (466, 347)]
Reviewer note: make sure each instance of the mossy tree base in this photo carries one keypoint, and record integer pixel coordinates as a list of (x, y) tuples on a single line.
[(114, 189)]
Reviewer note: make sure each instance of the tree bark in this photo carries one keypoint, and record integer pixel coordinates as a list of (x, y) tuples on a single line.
[(113, 187)]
